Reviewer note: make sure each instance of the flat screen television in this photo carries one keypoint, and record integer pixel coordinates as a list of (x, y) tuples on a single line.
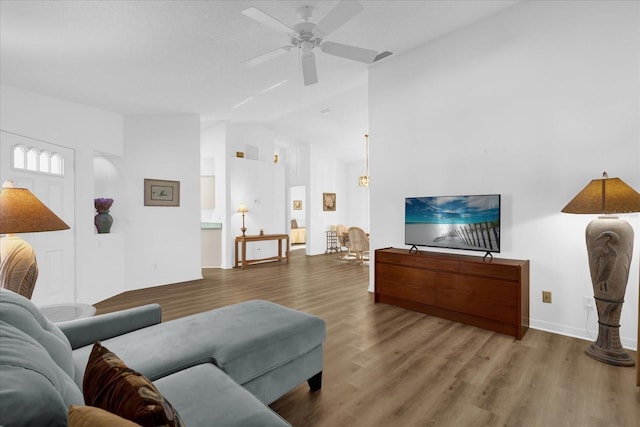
[(453, 222)]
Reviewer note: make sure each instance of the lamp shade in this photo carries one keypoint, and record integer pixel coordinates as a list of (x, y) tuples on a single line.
[(22, 212), (605, 196), (243, 208)]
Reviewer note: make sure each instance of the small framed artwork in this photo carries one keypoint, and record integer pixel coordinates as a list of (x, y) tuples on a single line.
[(328, 201), (161, 193), (297, 205)]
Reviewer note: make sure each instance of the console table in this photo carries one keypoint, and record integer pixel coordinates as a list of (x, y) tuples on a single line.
[(492, 295), (242, 241)]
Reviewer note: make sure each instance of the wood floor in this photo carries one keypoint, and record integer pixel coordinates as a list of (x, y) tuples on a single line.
[(386, 366)]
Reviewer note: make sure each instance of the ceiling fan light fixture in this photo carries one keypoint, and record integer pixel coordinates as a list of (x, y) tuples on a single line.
[(307, 35), (307, 46)]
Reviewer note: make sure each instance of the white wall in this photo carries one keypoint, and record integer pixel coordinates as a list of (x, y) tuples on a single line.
[(533, 104), (298, 193), (107, 254), (260, 186), (213, 148), (241, 135), (211, 163), (148, 245), (297, 161), (358, 201), (162, 244), (327, 176), (86, 130), (314, 168)]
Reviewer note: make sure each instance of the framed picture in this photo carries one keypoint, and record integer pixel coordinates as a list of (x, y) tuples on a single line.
[(161, 193), (297, 205), (328, 201)]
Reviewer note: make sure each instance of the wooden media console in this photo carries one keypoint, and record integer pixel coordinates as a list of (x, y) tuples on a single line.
[(492, 294)]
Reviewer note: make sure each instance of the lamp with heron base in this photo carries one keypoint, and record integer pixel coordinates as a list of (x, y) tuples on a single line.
[(21, 212), (243, 209), (610, 248)]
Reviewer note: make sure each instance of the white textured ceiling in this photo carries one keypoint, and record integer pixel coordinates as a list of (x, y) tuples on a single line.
[(157, 57)]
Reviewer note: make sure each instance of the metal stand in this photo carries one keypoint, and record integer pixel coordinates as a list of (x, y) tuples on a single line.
[(332, 242)]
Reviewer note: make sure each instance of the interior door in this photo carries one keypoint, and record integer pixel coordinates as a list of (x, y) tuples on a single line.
[(55, 250)]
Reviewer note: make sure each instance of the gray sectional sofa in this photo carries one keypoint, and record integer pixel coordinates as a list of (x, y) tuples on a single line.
[(217, 368)]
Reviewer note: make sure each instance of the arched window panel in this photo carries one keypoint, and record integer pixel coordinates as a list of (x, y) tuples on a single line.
[(20, 157), (45, 162), (32, 159), (57, 164)]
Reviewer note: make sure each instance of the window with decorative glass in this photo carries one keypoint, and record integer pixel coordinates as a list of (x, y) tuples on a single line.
[(34, 160)]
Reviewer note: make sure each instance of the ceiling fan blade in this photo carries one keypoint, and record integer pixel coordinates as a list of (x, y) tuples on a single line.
[(309, 70), (338, 16), (252, 62), (349, 52), (382, 55), (268, 20)]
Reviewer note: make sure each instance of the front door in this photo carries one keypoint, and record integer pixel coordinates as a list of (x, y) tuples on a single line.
[(48, 172)]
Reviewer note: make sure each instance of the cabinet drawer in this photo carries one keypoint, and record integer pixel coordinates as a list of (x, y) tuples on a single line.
[(506, 272), (417, 261), (406, 283), (484, 297)]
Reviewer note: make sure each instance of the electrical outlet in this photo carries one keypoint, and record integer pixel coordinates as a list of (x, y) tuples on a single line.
[(587, 302), (546, 296)]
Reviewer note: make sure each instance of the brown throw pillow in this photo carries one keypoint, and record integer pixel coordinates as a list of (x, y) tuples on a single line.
[(111, 385), (90, 416)]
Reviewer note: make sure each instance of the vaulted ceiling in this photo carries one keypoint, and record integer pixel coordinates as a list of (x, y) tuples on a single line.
[(168, 57)]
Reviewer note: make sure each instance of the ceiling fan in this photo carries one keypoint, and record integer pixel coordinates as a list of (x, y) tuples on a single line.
[(306, 36)]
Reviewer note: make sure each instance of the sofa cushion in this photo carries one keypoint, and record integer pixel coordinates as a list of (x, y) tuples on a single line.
[(20, 312), (111, 385), (34, 390), (206, 396), (90, 416), (256, 337), (87, 330), (245, 340)]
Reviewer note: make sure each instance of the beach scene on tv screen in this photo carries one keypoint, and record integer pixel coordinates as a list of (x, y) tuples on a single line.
[(457, 222)]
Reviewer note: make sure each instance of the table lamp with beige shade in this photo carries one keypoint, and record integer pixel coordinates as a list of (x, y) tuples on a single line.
[(21, 212), (243, 210)]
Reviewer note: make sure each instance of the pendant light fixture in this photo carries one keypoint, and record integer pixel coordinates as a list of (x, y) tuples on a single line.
[(363, 181)]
